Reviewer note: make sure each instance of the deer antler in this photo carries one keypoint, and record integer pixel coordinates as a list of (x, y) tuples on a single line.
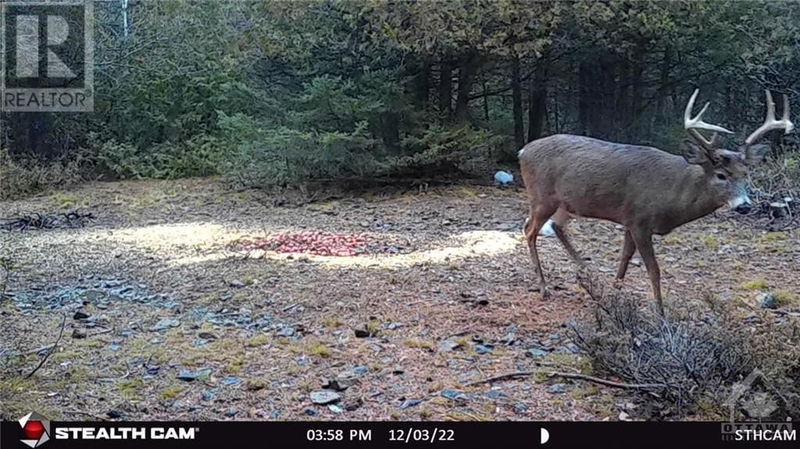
[(693, 125), (770, 123)]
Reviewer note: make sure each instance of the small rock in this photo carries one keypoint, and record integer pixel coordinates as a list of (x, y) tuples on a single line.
[(310, 412), (190, 376), (286, 331), (79, 333), (165, 323), (231, 413), (209, 395), (494, 394), (510, 339), (335, 409), (393, 326), (79, 315), (538, 353), (449, 394), (624, 416), (557, 388), (768, 301), (114, 414), (520, 408), (351, 404), (324, 397), (449, 345), (483, 349), (236, 283), (410, 403), (207, 336), (569, 348), (362, 333), (231, 380)]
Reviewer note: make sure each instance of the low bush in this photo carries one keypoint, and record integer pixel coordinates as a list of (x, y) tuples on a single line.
[(699, 355)]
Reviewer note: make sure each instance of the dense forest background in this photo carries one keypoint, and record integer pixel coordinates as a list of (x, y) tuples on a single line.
[(275, 92)]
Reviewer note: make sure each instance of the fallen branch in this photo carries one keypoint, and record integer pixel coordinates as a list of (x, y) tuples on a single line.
[(47, 356), (609, 383)]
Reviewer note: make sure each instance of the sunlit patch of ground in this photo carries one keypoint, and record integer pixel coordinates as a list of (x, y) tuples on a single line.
[(465, 275)]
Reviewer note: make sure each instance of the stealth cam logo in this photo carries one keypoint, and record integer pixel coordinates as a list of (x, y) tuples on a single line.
[(36, 429)]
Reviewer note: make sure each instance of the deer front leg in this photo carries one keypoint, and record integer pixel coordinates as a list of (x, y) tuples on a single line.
[(532, 226), (644, 242), (628, 248)]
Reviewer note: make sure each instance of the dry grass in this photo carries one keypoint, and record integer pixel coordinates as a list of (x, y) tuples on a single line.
[(470, 276)]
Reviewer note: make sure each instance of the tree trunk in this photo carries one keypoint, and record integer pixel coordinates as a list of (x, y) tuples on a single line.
[(583, 96), (537, 104), (445, 87), (422, 83), (516, 100), (485, 102), (663, 94), (466, 77), (633, 127), (622, 100)]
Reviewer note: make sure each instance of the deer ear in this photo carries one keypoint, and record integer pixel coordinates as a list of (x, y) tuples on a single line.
[(756, 154), (693, 153)]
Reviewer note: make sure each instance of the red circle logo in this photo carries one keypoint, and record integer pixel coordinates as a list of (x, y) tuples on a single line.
[(33, 430)]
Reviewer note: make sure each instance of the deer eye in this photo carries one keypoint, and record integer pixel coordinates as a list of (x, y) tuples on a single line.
[(721, 177)]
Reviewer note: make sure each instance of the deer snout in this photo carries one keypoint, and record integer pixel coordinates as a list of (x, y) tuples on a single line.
[(741, 203)]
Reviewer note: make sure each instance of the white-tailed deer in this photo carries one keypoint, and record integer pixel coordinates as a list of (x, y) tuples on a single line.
[(647, 190)]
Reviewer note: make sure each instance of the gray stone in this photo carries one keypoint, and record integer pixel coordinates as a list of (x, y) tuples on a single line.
[(286, 331), (483, 349), (165, 323), (410, 403), (190, 376), (538, 353), (768, 301), (449, 345), (324, 397)]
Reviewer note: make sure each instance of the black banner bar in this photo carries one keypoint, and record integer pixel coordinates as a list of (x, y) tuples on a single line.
[(156, 435)]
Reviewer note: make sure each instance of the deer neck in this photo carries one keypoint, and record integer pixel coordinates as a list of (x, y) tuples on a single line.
[(699, 201)]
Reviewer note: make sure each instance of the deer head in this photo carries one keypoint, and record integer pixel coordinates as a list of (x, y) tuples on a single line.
[(726, 171)]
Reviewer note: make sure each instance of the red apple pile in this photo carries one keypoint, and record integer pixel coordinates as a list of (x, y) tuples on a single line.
[(311, 242)]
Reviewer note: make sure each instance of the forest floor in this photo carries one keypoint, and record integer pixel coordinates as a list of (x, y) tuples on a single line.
[(168, 318)]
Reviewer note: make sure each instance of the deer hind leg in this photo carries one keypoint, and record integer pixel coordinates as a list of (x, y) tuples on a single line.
[(560, 220), (538, 216), (644, 242), (628, 248)]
